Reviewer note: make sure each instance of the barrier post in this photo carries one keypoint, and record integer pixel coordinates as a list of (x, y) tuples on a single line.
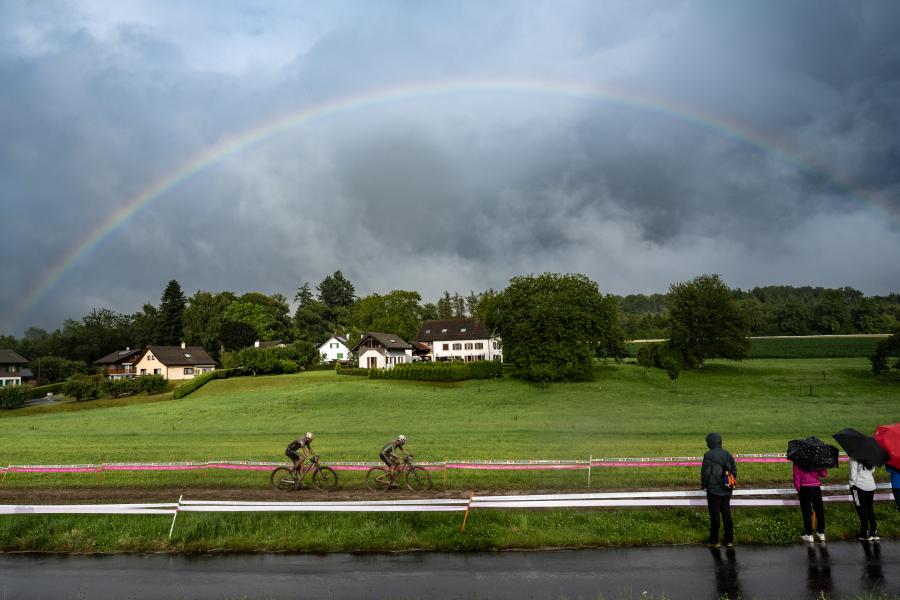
[(445, 472), (462, 529), (590, 463), (175, 516)]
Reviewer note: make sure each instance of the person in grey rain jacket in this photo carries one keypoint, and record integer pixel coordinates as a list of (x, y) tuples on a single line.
[(718, 497)]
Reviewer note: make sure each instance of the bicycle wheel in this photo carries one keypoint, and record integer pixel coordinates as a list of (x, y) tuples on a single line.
[(378, 479), (418, 479), (325, 479), (284, 479)]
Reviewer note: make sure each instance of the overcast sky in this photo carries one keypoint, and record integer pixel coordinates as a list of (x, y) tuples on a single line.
[(456, 189)]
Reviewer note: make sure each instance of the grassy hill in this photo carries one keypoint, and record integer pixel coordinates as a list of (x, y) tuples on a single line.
[(757, 405)]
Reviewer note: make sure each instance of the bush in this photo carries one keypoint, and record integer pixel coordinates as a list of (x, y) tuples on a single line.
[(13, 396), (82, 386), (648, 355), (440, 371), (200, 380), (352, 371), (266, 361), (152, 384), (120, 387)]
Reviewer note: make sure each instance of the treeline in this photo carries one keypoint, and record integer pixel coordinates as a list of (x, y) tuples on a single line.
[(226, 322), (223, 322), (777, 310)]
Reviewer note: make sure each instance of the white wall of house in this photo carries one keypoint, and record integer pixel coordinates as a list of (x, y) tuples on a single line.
[(4, 381), (334, 349), (467, 350), (380, 358)]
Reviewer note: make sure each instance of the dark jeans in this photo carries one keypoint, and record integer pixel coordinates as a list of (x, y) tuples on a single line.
[(896, 497), (865, 508), (719, 505), (811, 500)]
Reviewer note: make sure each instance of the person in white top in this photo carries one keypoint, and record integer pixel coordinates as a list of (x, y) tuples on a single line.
[(862, 488)]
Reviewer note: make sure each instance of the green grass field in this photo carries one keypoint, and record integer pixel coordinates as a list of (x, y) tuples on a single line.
[(628, 411), (823, 346)]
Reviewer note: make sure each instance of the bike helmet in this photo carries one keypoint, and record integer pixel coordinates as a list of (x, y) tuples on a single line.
[(309, 436), (401, 439)]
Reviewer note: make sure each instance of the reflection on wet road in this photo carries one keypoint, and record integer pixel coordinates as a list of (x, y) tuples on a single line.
[(800, 571)]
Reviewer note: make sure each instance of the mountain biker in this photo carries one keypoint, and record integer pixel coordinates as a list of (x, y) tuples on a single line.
[(304, 444), (388, 456)]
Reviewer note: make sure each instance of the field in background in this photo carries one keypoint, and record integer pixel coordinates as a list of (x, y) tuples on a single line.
[(628, 411), (813, 346)]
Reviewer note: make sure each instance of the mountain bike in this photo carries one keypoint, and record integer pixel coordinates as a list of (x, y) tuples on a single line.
[(286, 479), (415, 478)]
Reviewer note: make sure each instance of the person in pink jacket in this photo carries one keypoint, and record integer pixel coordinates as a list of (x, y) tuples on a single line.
[(809, 486)]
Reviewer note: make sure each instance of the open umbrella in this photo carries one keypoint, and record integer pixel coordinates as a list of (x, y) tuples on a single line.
[(861, 447), (812, 454), (888, 437)]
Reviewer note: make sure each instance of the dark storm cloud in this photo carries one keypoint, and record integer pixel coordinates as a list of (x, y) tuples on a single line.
[(455, 191)]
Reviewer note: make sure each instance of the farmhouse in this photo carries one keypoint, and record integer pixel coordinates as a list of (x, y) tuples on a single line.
[(334, 348), (459, 339), (382, 350), (119, 364), (174, 362), (11, 365)]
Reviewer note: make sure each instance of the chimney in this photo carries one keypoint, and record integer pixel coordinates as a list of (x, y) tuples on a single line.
[(256, 344), (182, 345)]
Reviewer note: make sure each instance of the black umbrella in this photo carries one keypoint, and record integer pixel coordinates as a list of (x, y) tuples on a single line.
[(861, 447), (812, 454)]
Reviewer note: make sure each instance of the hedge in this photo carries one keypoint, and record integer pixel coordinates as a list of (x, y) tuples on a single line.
[(440, 371), (13, 396), (199, 381), (42, 390), (352, 371)]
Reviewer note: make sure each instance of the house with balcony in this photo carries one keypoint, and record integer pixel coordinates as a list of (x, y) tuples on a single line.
[(11, 366), (464, 339), (382, 350), (119, 364), (174, 362)]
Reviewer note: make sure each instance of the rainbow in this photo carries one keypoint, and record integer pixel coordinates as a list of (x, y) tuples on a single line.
[(231, 145)]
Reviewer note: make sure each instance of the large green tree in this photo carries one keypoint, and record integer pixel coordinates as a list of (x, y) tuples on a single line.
[(706, 321), (337, 294), (171, 309), (397, 312), (267, 315), (552, 324), (310, 323), (203, 320)]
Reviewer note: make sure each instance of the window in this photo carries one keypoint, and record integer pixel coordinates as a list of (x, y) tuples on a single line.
[(157, 371), (189, 370), (443, 331), (186, 355), (427, 331), (496, 345), (457, 346), (12, 368), (446, 346), (479, 345), (463, 330), (143, 371), (469, 345), (340, 355), (150, 357)]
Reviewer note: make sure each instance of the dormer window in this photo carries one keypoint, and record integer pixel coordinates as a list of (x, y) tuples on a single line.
[(186, 355), (463, 330), (427, 331), (443, 331)]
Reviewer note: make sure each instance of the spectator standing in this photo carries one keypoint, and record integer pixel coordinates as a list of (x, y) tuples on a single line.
[(718, 463), (862, 488), (809, 487)]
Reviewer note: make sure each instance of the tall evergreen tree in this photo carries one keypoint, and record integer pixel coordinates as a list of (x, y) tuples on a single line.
[(445, 306), (171, 310)]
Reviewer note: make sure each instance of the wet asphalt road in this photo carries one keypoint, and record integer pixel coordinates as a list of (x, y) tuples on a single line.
[(839, 569)]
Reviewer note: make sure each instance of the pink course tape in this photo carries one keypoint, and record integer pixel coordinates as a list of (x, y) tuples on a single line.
[(482, 466)]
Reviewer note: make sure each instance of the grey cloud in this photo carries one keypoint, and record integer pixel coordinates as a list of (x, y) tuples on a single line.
[(459, 191)]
